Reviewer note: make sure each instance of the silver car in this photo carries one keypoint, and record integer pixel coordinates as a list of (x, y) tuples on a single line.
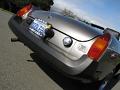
[(76, 49)]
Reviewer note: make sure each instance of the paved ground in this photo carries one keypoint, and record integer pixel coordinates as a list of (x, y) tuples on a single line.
[(21, 69), (16, 73)]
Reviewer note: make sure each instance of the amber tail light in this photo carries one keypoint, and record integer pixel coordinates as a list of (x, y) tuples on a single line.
[(24, 10), (98, 47)]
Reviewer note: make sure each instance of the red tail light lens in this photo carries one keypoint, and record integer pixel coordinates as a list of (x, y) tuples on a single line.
[(99, 47), (24, 10)]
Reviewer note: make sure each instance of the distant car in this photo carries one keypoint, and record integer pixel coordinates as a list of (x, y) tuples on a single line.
[(78, 50)]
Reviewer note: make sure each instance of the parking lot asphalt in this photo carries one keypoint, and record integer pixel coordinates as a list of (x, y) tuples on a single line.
[(21, 69)]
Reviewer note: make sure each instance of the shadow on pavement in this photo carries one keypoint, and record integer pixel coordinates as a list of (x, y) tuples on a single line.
[(62, 81)]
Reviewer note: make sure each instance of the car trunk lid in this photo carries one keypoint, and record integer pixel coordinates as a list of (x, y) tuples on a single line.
[(71, 27)]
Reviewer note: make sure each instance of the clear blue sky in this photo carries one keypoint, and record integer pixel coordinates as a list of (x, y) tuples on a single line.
[(102, 12)]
